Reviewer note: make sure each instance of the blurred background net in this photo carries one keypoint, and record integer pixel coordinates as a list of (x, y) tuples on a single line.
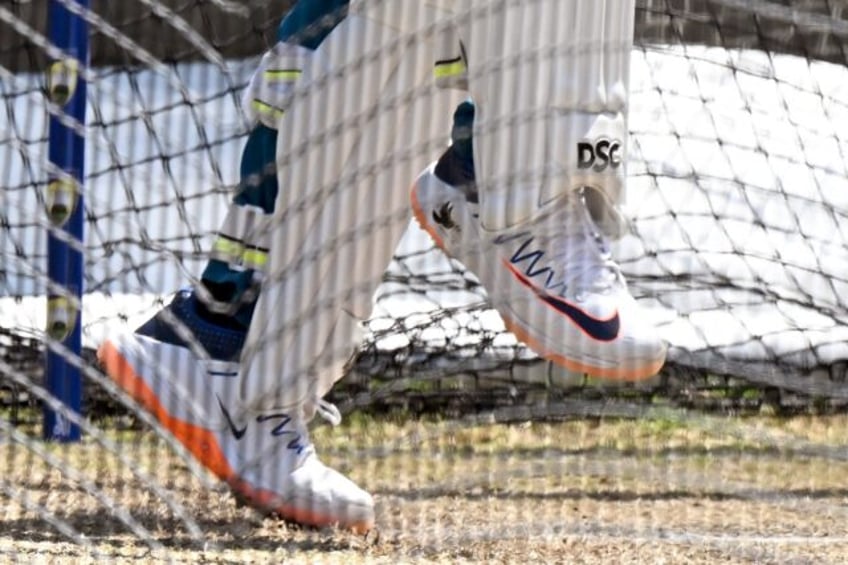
[(737, 196)]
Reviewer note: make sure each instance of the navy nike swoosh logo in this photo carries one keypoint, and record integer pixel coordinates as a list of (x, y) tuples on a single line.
[(237, 432), (601, 330)]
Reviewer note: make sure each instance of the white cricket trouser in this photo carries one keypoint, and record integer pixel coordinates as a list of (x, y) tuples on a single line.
[(553, 90), (550, 81), (365, 118)]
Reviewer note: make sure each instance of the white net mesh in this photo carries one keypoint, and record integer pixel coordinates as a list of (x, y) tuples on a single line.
[(738, 243)]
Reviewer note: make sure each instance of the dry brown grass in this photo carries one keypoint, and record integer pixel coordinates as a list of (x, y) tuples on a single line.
[(693, 490)]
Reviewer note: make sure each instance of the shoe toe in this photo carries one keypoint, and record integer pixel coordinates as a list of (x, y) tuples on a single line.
[(332, 497), (642, 352)]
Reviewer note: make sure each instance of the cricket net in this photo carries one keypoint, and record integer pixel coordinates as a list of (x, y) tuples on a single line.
[(737, 196)]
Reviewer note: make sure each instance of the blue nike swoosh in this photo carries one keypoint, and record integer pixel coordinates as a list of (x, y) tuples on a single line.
[(601, 330)]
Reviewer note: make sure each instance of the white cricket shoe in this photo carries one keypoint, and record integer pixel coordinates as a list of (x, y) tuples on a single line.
[(266, 458), (552, 280)]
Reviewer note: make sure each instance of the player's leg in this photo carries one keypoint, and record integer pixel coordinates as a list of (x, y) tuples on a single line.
[(369, 131), (356, 133), (182, 364), (549, 138), (228, 277), (546, 76)]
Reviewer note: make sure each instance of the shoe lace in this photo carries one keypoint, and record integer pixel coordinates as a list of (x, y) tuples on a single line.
[(290, 425), (328, 411), (580, 251)]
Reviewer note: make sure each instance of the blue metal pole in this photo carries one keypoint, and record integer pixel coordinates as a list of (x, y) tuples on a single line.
[(66, 150)]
